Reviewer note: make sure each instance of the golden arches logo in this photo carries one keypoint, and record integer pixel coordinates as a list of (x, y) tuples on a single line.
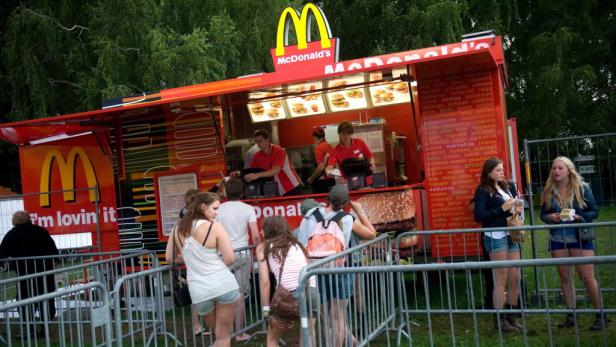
[(302, 24), (67, 174)]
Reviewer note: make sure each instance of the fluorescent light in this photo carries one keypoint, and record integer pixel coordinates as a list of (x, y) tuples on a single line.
[(58, 137)]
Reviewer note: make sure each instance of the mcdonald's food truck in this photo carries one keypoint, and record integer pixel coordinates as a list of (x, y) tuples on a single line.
[(115, 178)]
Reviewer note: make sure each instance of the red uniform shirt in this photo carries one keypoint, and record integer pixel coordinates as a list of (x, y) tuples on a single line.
[(357, 149), (322, 152), (287, 178)]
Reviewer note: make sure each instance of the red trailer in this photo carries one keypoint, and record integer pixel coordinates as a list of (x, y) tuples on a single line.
[(433, 115)]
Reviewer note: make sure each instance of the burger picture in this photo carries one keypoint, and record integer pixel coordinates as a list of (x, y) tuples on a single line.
[(401, 87), (355, 93), (272, 113), (299, 108), (276, 103), (339, 100), (257, 109), (338, 84), (314, 108), (381, 95), (310, 97)]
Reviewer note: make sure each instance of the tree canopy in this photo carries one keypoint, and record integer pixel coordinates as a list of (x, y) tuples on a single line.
[(66, 56)]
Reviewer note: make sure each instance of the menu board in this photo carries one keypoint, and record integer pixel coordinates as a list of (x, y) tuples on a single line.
[(388, 93), (264, 106), (459, 132), (344, 99), (306, 104), (171, 190)]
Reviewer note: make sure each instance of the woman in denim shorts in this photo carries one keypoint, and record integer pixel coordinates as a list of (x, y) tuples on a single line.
[(494, 202), (206, 250), (566, 189)]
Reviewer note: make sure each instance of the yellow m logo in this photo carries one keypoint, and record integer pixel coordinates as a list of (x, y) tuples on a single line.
[(67, 174), (302, 23)]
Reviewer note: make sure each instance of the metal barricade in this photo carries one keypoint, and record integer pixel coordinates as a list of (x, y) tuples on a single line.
[(348, 306), (102, 268), (147, 315), (456, 320), (33, 321)]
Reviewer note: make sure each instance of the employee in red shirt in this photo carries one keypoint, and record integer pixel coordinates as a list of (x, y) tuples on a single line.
[(275, 163), (348, 147), (319, 180)]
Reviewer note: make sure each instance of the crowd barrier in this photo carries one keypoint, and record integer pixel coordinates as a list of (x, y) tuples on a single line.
[(84, 322), (351, 306), (535, 247)]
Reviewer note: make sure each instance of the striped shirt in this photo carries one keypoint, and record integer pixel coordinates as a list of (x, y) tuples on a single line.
[(287, 178), (294, 263)]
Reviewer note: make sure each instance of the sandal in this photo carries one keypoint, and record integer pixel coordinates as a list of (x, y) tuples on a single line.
[(243, 337), (202, 332)]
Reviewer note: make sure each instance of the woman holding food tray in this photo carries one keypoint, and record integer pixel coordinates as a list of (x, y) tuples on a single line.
[(567, 199)]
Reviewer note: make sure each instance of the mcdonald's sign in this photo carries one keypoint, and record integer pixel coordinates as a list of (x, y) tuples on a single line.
[(66, 168), (306, 57)]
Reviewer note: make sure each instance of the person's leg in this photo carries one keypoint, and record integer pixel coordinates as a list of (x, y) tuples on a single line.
[(566, 282), (500, 278), (224, 324), (196, 321), (274, 333), (337, 310), (513, 275), (587, 275), (240, 312)]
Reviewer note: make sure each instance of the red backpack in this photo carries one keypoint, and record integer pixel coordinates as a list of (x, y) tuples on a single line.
[(327, 238)]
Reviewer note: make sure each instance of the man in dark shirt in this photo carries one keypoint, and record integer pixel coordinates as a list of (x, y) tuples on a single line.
[(29, 240)]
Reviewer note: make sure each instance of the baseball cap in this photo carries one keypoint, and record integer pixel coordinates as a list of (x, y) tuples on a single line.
[(307, 205), (339, 194)]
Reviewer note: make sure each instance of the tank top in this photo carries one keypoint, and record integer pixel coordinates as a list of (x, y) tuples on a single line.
[(207, 275), (294, 263)]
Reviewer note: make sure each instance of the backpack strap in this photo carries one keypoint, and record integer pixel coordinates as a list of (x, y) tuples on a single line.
[(338, 216), (317, 215)]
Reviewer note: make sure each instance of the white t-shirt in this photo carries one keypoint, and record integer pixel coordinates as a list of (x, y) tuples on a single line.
[(501, 234), (235, 217)]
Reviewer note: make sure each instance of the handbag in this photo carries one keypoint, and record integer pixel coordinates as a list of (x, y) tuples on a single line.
[(516, 221), (284, 304), (181, 294), (585, 233)]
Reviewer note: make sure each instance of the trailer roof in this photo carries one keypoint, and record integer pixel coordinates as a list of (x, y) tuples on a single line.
[(426, 63)]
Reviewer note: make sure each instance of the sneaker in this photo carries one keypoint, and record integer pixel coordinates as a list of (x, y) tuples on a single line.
[(569, 322), (600, 323), (513, 321), (505, 327)]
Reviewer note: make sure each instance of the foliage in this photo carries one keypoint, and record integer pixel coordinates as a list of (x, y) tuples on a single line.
[(66, 56)]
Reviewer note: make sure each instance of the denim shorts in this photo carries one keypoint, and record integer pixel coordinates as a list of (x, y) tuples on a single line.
[(338, 286), (500, 245), (586, 245), (205, 307)]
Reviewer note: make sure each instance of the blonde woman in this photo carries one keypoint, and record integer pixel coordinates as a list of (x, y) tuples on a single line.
[(566, 189)]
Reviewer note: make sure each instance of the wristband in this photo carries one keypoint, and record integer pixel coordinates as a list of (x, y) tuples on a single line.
[(266, 311)]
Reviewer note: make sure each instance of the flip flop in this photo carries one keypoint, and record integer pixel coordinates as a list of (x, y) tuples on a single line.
[(243, 338), (203, 332)]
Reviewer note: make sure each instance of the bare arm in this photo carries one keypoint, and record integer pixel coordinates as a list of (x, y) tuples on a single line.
[(317, 172), (269, 173), (254, 232), (362, 226), (264, 282), (169, 249), (224, 245)]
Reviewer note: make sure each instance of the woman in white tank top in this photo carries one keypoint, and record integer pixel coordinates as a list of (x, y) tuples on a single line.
[(199, 241)]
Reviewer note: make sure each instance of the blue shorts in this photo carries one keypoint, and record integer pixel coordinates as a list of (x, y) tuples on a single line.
[(587, 245), (205, 307), (500, 245), (339, 286)]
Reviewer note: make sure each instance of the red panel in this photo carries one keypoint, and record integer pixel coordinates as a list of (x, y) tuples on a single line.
[(65, 214), (463, 124)]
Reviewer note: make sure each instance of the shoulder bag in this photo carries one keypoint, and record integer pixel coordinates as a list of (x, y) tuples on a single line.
[(284, 304), (516, 221), (181, 295)]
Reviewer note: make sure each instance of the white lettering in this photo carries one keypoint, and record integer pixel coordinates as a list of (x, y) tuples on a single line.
[(66, 219), (291, 211), (268, 211)]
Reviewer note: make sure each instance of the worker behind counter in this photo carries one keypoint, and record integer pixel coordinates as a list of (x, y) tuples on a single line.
[(348, 147), (320, 180), (273, 160)]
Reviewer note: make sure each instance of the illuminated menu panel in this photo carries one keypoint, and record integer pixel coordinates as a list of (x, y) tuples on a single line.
[(264, 106), (345, 99), (307, 104), (458, 133), (388, 93)]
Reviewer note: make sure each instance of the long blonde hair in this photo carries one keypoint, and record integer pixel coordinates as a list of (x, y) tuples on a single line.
[(575, 190)]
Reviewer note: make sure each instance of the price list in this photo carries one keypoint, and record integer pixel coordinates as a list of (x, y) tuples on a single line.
[(459, 132)]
